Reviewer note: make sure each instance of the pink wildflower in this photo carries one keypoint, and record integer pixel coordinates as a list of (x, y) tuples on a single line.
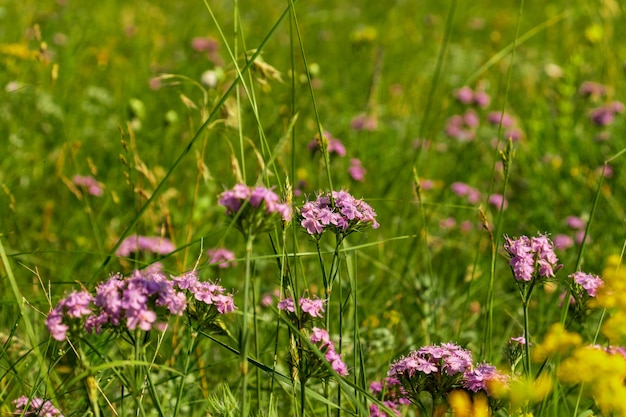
[(151, 244), (221, 257), (89, 183), (356, 170), (590, 283)]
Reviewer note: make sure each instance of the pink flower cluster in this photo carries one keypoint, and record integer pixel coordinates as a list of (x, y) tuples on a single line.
[(314, 307), (481, 376), (592, 89), (589, 282), (321, 337), (344, 214), (531, 257), (221, 257), (205, 291), (464, 190), (92, 186), (463, 127), (392, 395), (256, 197), (605, 114), (143, 300), (151, 244), (356, 170), (333, 145), (35, 407), (467, 96), (437, 369), (445, 359)]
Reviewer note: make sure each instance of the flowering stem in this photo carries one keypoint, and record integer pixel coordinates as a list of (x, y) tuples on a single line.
[(243, 342), (525, 302)]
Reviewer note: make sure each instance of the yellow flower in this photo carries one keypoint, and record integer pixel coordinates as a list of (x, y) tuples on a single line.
[(556, 341), (463, 406), (602, 375)]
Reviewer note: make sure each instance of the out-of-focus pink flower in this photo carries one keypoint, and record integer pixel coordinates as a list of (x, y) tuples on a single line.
[(574, 222), (364, 122), (563, 242), (580, 235), (89, 183), (356, 170), (465, 95), (221, 257), (333, 145), (592, 89), (498, 200), (494, 118)]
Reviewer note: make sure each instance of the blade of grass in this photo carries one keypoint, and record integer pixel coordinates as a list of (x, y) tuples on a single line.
[(30, 332)]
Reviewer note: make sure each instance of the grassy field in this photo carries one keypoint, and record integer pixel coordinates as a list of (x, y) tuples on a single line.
[(486, 137)]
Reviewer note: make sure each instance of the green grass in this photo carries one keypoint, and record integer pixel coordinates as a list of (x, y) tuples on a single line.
[(79, 102)]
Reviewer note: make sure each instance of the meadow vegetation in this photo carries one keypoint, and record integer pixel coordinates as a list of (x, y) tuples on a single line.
[(410, 208)]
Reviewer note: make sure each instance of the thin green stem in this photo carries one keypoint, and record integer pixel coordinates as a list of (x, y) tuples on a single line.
[(527, 336), (243, 342), (192, 345)]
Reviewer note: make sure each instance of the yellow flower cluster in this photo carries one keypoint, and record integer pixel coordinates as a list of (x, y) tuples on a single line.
[(557, 341), (612, 295), (463, 406), (521, 392), (602, 375)]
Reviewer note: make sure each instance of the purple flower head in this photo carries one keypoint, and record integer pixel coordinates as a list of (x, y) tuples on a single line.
[(150, 244), (321, 337), (207, 44), (287, 304), (462, 128), (142, 300), (221, 257), (605, 115), (333, 145), (575, 223), (481, 99), (590, 283), (470, 118), (254, 207), (498, 200), (336, 362), (356, 170), (345, 216), (461, 189), (391, 393), (234, 198), (465, 95), (563, 242), (531, 257), (68, 314), (35, 407), (513, 134), (89, 183), (592, 89), (364, 122), (313, 307), (479, 378), (521, 340), (445, 359), (496, 117)]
